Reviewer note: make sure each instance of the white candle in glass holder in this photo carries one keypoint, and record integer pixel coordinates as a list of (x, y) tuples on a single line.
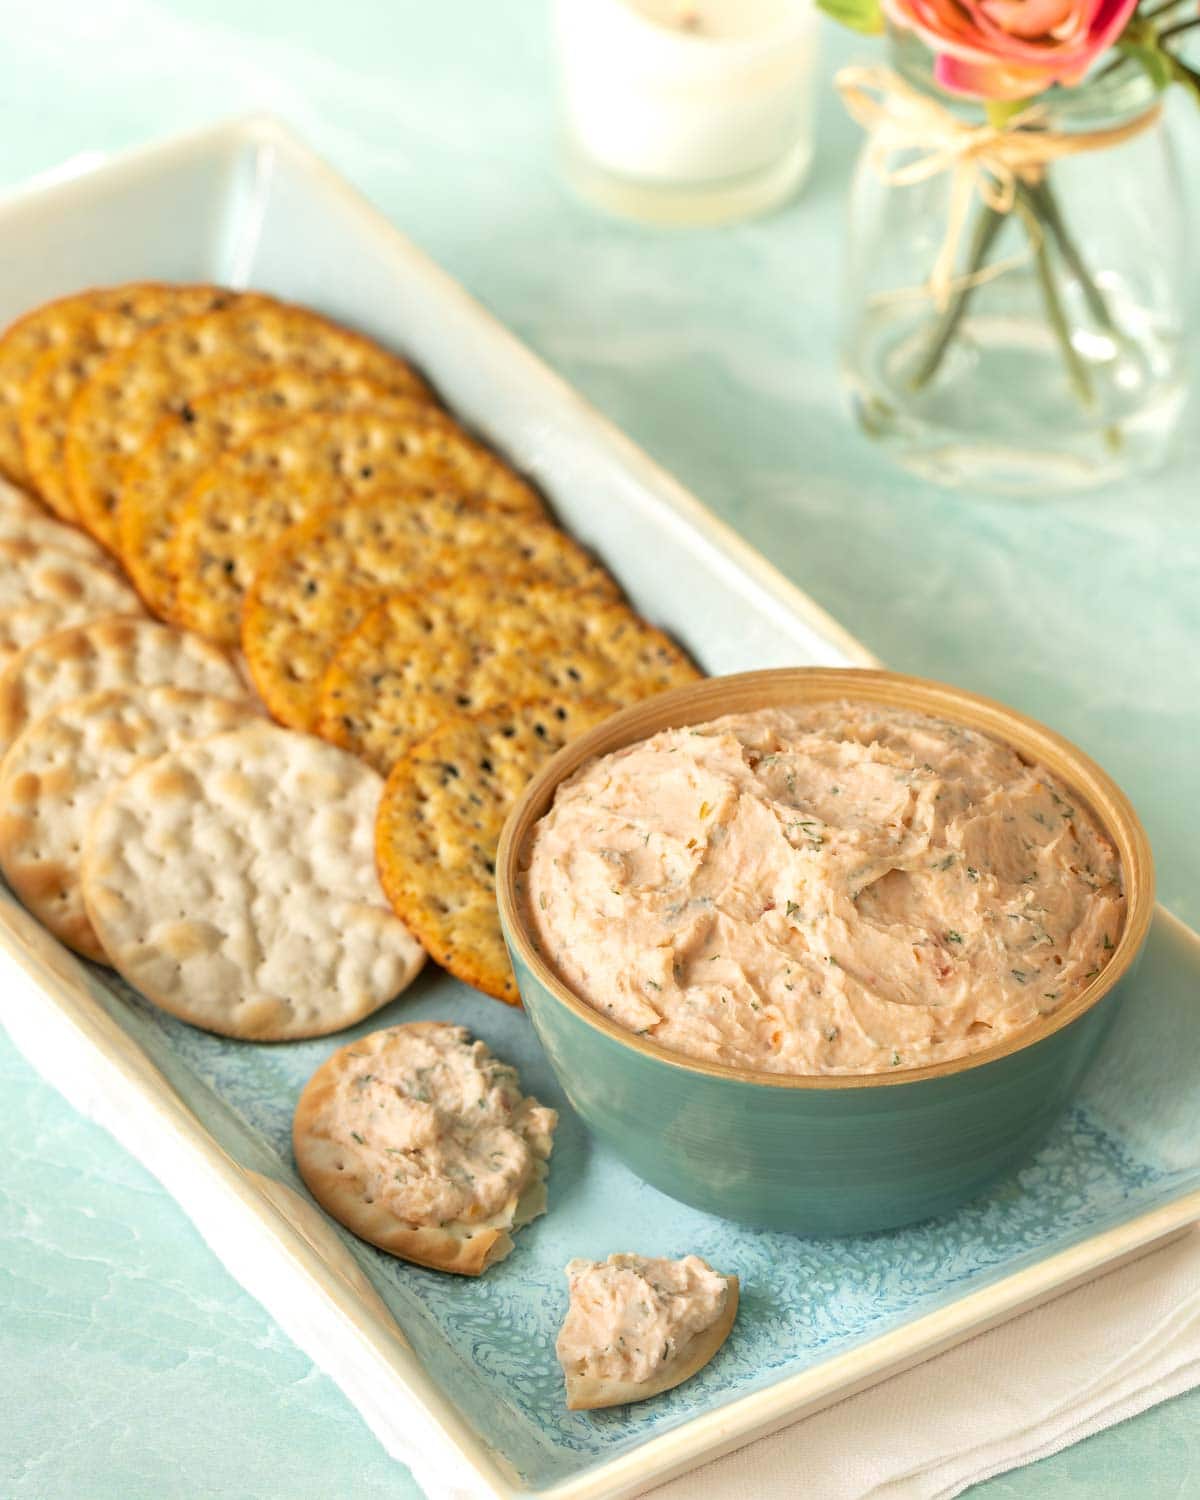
[(687, 110)]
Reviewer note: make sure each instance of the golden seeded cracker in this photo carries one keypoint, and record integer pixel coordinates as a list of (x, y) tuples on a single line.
[(95, 329), (58, 771), (367, 445), (418, 659), (237, 511), (440, 820), (51, 325), (43, 590), (232, 882), (160, 476), (324, 575), (136, 388), (246, 502), (21, 346), (119, 651)]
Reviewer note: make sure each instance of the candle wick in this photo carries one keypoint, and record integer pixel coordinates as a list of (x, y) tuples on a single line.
[(689, 19)]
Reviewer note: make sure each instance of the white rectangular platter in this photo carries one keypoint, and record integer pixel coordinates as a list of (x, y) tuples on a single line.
[(458, 1378)]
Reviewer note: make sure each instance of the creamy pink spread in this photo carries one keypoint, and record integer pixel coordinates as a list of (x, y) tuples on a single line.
[(630, 1315), (439, 1126), (841, 888)]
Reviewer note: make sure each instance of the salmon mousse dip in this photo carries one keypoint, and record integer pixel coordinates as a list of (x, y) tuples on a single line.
[(418, 1139), (835, 888), (637, 1325)]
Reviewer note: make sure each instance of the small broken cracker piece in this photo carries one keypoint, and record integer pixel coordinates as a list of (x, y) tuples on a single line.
[(418, 659), (58, 770), (231, 882), (321, 578), (637, 1326), (96, 328), (136, 388), (417, 1139), (115, 651), (241, 507), (43, 590), (159, 478), (439, 823)]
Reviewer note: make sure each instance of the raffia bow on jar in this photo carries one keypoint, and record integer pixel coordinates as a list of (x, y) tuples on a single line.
[(996, 168)]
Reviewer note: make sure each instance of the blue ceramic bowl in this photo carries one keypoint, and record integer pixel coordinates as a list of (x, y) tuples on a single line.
[(822, 1155)]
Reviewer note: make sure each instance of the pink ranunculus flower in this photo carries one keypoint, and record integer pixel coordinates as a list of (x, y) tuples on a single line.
[(1012, 49)]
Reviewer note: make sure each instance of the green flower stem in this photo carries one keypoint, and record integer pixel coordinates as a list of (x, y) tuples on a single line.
[(1044, 204), (987, 226), (1114, 65), (1000, 111), (1155, 11), (1077, 372), (1179, 26)]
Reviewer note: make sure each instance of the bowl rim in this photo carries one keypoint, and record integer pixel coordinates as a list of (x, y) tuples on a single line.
[(714, 696)]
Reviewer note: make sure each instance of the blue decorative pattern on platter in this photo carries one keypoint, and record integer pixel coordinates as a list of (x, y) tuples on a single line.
[(1130, 1144)]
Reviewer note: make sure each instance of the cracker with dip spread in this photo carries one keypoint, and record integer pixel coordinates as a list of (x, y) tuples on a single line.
[(55, 325), (440, 820), (245, 503), (418, 659), (327, 573), (232, 882), (116, 651), (94, 331), (160, 476), (638, 1325), (419, 1140), (58, 770), (136, 388), (43, 589)]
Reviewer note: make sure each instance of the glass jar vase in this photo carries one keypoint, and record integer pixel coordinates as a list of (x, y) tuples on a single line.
[(1018, 334)]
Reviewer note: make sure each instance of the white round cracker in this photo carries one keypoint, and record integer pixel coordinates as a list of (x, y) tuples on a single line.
[(15, 502), (57, 773), (116, 651), (44, 532), (233, 882), (21, 519), (43, 589)]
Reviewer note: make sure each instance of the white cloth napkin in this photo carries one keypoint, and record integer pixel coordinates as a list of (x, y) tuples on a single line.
[(1018, 1393)]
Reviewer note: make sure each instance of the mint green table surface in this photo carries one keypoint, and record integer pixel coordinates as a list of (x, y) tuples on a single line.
[(131, 1365)]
